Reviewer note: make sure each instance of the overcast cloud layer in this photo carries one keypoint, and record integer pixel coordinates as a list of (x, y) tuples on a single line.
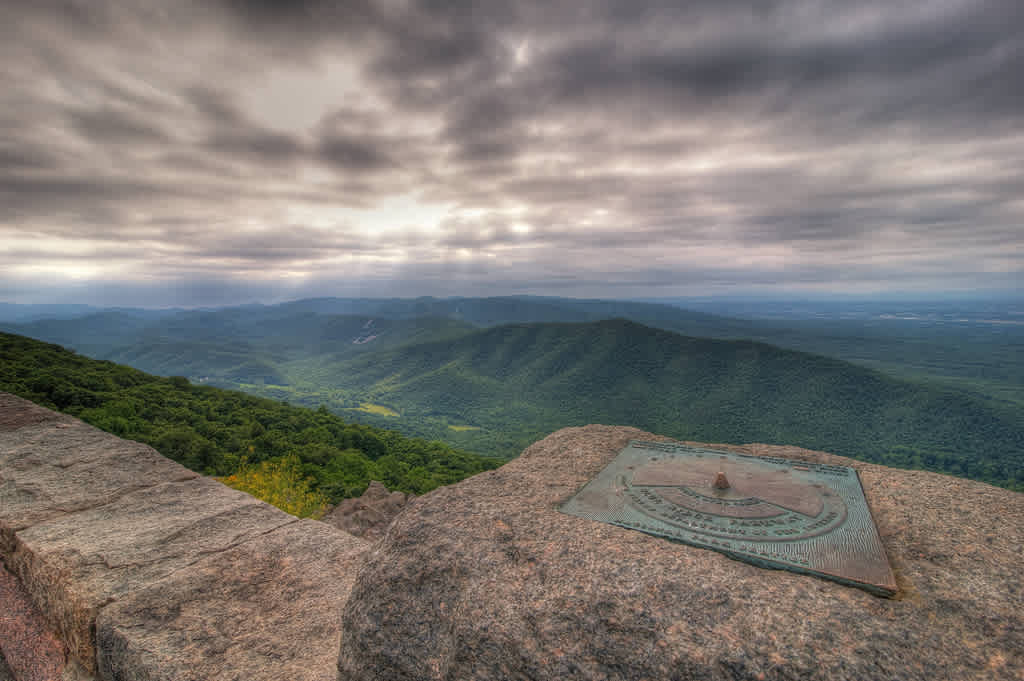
[(161, 153)]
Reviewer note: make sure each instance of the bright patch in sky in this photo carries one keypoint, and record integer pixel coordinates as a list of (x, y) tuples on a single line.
[(295, 98)]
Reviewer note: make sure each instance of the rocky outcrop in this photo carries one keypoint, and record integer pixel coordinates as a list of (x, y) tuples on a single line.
[(147, 570), (77, 564), (265, 609), (143, 570), (369, 515), (486, 579), (53, 465)]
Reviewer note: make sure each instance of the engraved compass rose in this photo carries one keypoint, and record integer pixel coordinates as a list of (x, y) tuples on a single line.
[(773, 512), (767, 503)]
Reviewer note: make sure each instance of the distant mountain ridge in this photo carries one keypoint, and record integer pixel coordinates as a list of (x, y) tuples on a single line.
[(492, 374), (525, 379), (985, 359), (222, 432), (11, 312)]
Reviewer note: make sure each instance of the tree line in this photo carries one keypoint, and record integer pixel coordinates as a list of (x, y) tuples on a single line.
[(226, 433)]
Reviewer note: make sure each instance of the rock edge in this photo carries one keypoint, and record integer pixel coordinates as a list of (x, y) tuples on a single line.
[(485, 579)]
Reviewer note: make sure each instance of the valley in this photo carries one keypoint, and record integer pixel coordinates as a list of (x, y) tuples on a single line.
[(275, 449), (491, 375)]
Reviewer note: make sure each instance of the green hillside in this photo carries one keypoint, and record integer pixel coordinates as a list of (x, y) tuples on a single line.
[(519, 382), (214, 431), (986, 359), (233, 347), (247, 346), (425, 367)]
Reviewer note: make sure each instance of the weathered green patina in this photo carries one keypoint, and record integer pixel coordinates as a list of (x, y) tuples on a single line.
[(780, 513)]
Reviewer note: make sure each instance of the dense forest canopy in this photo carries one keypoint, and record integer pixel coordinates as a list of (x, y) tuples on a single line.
[(524, 380), (218, 432), (472, 374), (980, 350)]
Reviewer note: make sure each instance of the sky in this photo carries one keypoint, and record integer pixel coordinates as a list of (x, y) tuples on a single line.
[(203, 153)]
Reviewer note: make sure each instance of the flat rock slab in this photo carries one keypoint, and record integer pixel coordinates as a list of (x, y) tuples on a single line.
[(52, 465), (486, 579), (78, 563), (95, 528), (276, 618)]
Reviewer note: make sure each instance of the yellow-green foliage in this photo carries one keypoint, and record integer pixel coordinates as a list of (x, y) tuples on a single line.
[(460, 429), (379, 409), (281, 483)]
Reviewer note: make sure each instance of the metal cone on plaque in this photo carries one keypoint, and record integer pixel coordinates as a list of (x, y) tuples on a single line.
[(773, 512)]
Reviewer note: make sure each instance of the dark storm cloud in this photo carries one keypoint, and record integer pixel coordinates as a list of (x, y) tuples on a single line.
[(964, 43), (302, 17), (25, 158), (592, 148), (215, 106), (110, 126), (353, 153), (262, 145), (67, 190)]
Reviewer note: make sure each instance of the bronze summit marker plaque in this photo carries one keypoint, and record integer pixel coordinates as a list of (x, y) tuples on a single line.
[(780, 513)]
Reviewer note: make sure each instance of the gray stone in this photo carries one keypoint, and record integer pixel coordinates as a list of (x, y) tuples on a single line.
[(78, 563), (486, 579), (52, 465), (369, 515), (92, 524), (17, 413), (266, 609)]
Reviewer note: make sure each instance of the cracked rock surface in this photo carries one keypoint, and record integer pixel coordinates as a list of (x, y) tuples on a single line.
[(97, 528), (286, 592), (80, 562), (486, 579), (52, 465)]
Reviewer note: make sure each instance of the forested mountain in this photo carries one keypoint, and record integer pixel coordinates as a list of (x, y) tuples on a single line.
[(232, 346), (215, 431), (525, 380), (246, 345), (446, 370), (11, 312)]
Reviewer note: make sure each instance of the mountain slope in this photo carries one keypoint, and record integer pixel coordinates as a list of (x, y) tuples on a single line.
[(525, 380), (493, 390), (250, 342), (235, 346), (216, 431)]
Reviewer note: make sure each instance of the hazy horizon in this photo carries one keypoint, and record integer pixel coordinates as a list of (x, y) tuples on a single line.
[(217, 153), (769, 305)]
